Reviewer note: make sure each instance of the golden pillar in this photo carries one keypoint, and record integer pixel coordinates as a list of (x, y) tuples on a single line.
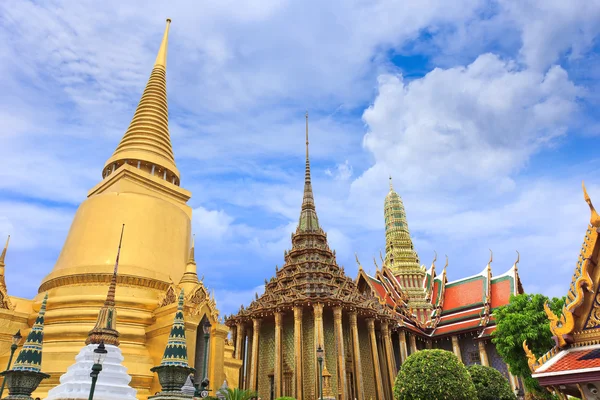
[(403, 348), (456, 347), (239, 337), (339, 338), (389, 355), (413, 343), (278, 383), (298, 349), (356, 352), (376, 366), (483, 354), (254, 364)]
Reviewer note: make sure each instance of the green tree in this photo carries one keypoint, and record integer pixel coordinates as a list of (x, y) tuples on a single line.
[(524, 319), (489, 383), (433, 374)]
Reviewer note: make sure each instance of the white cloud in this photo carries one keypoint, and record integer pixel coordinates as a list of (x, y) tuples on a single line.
[(211, 224), (342, 172), (465, 124)]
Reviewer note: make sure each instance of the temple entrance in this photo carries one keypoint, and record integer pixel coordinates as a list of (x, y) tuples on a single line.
[(202, 352)]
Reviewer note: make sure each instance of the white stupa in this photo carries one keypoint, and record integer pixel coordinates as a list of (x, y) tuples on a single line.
[(113, 380)]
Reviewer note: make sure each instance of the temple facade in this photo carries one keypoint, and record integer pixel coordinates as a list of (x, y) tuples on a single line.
[(432, 312), (309, 303), (140, 188), (367, 326)]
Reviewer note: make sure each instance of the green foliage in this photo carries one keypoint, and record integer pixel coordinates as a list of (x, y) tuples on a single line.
[(237, 394), (489, 383), (524, 319), (285, 398), (433, 374)]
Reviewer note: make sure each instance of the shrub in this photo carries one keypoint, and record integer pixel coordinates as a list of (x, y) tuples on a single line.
[(285, 398), (237, 394), (490, 384), (433, 374)]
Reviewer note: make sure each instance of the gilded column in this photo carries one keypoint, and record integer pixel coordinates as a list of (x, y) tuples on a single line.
[(456, 347), (356, 352), (277, 369), (339, 338), (403, 348), (298, 349), (375, 355), (413, 344), (254, 365), (483, 354), (387, 343), (238, 340)]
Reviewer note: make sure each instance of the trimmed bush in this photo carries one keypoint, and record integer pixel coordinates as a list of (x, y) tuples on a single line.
[(433, 374), (489, 383), (285, 398)]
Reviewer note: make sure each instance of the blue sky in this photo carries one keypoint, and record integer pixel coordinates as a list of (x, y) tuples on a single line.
[(484, 112)]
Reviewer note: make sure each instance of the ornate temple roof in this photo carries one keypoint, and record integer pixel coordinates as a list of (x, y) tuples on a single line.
[(577, 329), (463, 305), (310, 272), (147, 139)]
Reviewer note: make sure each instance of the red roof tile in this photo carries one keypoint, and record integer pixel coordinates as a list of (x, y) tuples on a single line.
[(461, 326), (501, 291), (587, 358), (464, 294)]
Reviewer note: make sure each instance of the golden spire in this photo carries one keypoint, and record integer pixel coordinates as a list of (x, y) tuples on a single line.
[(105, 329), (3, 254), (391, 186), (147, 139), (189, 279), (594, 218), (308, 215)]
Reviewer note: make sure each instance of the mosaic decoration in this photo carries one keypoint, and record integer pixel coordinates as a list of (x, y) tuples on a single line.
[(30, 357), (176, 350)]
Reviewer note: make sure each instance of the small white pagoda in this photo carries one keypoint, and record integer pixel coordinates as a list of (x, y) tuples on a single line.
[(113, 380)]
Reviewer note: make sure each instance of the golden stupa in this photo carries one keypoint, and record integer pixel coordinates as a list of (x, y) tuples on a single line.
[(140, 188)]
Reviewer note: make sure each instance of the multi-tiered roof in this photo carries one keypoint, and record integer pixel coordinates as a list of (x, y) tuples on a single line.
[(310, 272), (430, 305)]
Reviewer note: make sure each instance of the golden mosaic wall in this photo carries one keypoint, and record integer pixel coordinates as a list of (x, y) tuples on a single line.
[(366, 360), (309, 355), (288, 349), (330, 348), (266, 359)]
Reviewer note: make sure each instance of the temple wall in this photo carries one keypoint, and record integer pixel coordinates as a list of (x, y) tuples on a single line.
[(366, 360), (330, 349), (309, 356), (287, 341), (266, 358), (495, 360), (469, 350)]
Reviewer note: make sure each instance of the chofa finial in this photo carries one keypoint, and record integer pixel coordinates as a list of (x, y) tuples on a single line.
[(446, 263), (594, 218), (491, 257), (518, 258)]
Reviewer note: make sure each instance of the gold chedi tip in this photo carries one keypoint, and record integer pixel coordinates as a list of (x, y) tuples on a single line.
[(161, 57), (308, 214), (147, 143)]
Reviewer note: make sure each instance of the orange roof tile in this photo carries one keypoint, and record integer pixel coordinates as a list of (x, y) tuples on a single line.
[(501, 291), (574, 360), (469, 292)]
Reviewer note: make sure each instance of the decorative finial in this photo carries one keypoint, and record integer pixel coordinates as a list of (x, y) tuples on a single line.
[(376, 266), (176, 351), (306, 115), (192, 258), (434, 258), (3, 255), (357, 261), (518, 258), (594, 218), (391, 186), (491, 257), (446, 263), (161, 57), (381, 258)]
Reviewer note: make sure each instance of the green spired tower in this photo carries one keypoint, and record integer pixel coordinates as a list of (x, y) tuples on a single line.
[(30, 357), (26, 374), (401, 257), (174, 369)]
